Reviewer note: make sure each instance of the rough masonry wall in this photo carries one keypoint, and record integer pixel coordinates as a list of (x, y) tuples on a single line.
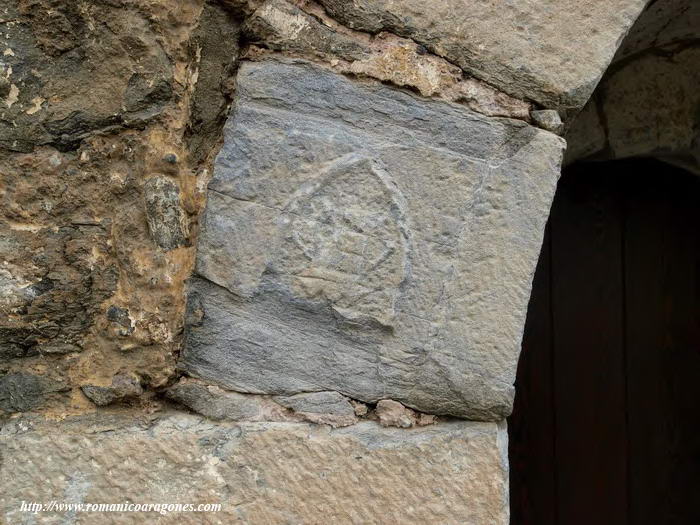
[(361, 276), (109, 112)]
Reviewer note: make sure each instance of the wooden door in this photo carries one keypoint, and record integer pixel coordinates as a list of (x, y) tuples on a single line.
[(604, 428)]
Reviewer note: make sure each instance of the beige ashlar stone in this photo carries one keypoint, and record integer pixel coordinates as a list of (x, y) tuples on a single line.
[(261, 473)]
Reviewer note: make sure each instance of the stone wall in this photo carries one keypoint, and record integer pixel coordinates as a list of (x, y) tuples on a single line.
[(277, 254), (111, 111)]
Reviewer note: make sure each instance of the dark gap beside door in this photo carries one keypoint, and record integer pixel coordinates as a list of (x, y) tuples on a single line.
[(604, 428)]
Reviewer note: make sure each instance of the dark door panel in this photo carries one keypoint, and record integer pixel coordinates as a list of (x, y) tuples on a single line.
[(604, 427)]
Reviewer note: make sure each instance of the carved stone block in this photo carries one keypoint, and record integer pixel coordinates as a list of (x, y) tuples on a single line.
[(361, 239)]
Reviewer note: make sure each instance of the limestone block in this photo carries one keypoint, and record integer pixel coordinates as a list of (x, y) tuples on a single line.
[(360, 239), (261, 473), (550, 51)]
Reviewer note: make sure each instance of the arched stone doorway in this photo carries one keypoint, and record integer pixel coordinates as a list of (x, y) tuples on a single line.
[(603, 429)]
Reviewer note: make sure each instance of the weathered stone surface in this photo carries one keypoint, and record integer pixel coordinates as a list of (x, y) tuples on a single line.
[(75, 71), (281, 26), (219, 404), (100, 395), (216, 43), (330, 408), (647, 103), (362, 240), (587, 136), (360, 408), (326, 408), (450, 473), (121, 318), (393, 414), (123, 386), (548, 119), (318, 402), (97, 98), (651, 106), (166, 218), (531, 48), (21, 392)]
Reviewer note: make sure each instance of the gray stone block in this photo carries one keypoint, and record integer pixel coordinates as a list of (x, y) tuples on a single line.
[(364, 240), (21, 392), (330, 408)]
